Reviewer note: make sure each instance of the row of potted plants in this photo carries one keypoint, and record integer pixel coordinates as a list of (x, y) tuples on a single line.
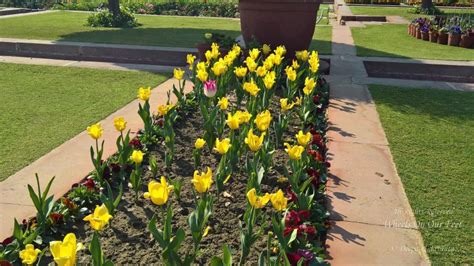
[(453, 31), (253, 106)]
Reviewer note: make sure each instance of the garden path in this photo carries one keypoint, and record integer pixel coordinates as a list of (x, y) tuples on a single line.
[(70, 162), (372, 221)]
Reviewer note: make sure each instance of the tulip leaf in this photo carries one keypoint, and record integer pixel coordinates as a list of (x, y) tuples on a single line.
[(177, 240), (261, 258), (261, 171), (17, 232), (216, 261), (157, 234), (96, 251), (227, 256), (293, 236)]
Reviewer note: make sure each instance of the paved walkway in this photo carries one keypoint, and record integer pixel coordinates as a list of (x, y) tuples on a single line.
[(373, 223), (70, 163)]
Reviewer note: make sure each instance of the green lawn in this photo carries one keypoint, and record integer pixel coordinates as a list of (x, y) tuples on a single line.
[(401, 11), (44, 106), (392, 40), (431, 138), (155, 30), (322, 39)]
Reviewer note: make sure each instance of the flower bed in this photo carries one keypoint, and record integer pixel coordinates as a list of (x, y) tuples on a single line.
[(238, 165), (453, 31)]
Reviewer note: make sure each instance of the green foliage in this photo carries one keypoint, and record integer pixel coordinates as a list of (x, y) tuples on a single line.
[(43, 204), (109, 200), (432, 10), (226, 260), (97, 254), (105, 18)]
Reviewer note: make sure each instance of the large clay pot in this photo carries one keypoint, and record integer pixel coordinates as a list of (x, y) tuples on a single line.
[(454, 39), (279, 22), (467, 41), (443, 38), (425, 36), (433, 36), (418, 33)]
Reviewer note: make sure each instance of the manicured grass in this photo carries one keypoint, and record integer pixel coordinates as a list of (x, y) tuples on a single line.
[(392, 40), (431, 138), (155, 30), (401, 11), (44, 106)]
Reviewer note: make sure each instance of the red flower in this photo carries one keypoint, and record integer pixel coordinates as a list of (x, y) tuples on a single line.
[(56, 218), (89, 183), (68, 203), (294, 258), (316, 99), (7, 241), (291, 195), (136, 143), (294, 218), (160, 122), (317, 138), (5, 263), (309, 230)]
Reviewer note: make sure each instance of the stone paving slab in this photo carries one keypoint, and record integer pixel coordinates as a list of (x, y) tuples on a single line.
[(70, 162)]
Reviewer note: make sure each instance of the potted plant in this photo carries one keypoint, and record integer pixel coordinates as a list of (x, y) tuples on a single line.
[(225, 44), (454, 36), (425, 36), (443, 36), (276, 22), (467, 39), (418, 32), (433, 34)]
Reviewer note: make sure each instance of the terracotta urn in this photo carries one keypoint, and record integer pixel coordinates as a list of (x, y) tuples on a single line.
[(454, 39), (433, 36), (425, 36), (279, 22), (467, 40), (443, 38)]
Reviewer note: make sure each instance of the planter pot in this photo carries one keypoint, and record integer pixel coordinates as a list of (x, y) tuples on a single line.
[(443, 38), (413, 31), (454, 39), (425, 36), (467, 41), (203, 47), (433, 36), (418, 34), (279, 22)]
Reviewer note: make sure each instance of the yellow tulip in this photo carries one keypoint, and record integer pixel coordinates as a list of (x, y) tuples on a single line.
[(64, 252), (261, 71), (257, 202), (285, 106), (251, 87), (313, 62), (244, 116), (302, 55), (277, 59), (215, 50), (219, 68), (178, 73), (279, 201), (253, 141), (223, 146), (294, 151), (190, 60), (199, 144), (158, 192), (290, 73), (269, 79), (100, 218), (263, 120), (120, 124), (202, 75), (298, 100), (223, 103), (303, 139), (309, 85), (266, 49), (254, 53), (202, 182), (240, 71), (280, 50), (29, 255), (268, 63), (137, 156), (95, 131), (295, 64), (236, 48), (144, 93), (230, 58), (201, 66), (163, 109), (208, 55), (233, 121)]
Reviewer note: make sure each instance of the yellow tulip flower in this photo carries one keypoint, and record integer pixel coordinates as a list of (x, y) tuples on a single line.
[(223, 103), (144, 93), (253, 141), (219, 68), (302, 55), (251, 87), (279, 201), (303, 139), (257, 202), (29, 255), (158, 192), (261, 71), (309, 85), (263, 120), (202, 75), (202, 182), (95, 131), (64, 252), (254, 53), (190, 60), (201, 66), (280, 50), (313, 62), (199, 144), (233, 121), (244, 116), (290, 73), (268, 63), (163, 109), (266, 49), (137, 156), (295, 65), (285, 106), (298, 100), (294, 151), (277, 59), (215, 50), (240, 71), (120, 124), (223, 146), (100, 218), (178, 73), (269, 79)]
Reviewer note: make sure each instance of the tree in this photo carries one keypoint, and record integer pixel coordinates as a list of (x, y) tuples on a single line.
[(425, 4), (114, 7)]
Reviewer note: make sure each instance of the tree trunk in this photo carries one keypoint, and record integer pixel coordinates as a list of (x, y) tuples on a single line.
[(114, 7), (424, 4)]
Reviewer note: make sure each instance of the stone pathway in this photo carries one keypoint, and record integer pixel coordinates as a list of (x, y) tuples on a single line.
[(372, 221), (70, 163)]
